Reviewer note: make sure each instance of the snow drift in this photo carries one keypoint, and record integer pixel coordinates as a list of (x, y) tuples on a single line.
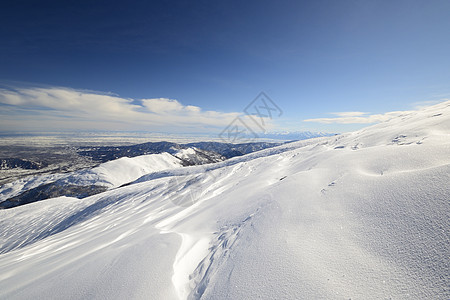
[(363, 215)]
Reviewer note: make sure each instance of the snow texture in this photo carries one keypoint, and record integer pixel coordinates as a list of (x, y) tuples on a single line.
[(363, 215)]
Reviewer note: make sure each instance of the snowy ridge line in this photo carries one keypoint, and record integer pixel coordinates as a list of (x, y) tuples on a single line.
[(110, 174), (106, 176), (192, 170), (364, 215)]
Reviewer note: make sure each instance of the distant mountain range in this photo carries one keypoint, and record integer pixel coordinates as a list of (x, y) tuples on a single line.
[(227, 150), (111, 167)]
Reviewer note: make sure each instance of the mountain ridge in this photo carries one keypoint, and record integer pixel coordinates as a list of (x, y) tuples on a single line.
[(358, 215)]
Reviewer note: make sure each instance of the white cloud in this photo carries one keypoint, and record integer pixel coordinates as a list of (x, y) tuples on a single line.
[(162, 105), (349, 114), (68, 109), (357, 118)]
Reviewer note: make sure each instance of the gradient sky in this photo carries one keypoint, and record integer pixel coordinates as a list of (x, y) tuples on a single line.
[(350, 60)]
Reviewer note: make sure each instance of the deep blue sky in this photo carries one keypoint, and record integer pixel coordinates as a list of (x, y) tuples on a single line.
[(311, 57)]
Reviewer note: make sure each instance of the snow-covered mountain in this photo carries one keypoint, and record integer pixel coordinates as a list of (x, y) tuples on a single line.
[(194, 156), (108, 175), (227, 150), (18, 162), (363, 215)]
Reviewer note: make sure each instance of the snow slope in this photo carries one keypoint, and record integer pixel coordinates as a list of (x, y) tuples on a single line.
[(110, 174), (363, 215), (123, 170)]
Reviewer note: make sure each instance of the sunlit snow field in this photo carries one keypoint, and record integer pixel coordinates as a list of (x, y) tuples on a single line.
[(362, 215)]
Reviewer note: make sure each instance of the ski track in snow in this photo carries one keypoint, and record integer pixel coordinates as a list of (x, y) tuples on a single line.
[(363, 215)]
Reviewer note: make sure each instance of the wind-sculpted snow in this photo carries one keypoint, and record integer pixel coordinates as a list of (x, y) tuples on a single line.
[(363, 215)]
